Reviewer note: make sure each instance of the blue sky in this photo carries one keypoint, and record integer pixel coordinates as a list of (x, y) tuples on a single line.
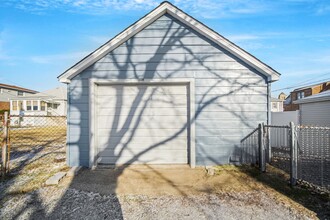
[(40, 39)]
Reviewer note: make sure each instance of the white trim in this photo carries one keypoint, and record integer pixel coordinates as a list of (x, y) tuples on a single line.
[(163, 8), (190, 83), (92, 139)]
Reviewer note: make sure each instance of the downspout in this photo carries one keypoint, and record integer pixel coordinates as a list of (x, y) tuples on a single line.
[(67, 126), (269, 109)]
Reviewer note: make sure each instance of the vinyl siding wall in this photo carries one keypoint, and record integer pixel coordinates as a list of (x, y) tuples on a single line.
[(316, 113), (230, 97)]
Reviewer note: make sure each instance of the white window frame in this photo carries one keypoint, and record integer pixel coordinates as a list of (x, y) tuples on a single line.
[(35, 101), (18, 93), (12, 105), (300, 95), (45, 106)]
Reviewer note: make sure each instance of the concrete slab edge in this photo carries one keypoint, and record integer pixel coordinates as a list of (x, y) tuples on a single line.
[(73, 171), (54, 180)]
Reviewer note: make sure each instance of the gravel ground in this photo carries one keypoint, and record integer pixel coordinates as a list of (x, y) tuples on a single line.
[(66, 203)]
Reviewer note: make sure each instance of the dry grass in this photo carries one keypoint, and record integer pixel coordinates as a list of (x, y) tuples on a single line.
[(275, 183), (21, 138), (33, 154)]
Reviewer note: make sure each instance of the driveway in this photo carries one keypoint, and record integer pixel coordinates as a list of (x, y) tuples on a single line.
[(156, 192)]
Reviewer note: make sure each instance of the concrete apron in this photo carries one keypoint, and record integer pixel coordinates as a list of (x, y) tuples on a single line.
[(144, 179)]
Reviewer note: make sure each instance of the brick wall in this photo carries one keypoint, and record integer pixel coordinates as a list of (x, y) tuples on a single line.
[(4, 106)]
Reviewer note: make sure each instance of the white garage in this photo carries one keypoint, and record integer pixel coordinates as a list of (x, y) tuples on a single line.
[(141, 123)]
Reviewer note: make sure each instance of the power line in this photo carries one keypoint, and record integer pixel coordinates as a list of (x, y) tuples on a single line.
[(311, 79), (301, 84)]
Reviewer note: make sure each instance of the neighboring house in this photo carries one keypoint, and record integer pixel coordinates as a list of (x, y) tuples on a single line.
[(303, 92), (276, 105), (166, 90), (8, 92), (282, 96), (51, 102), (315, 109)]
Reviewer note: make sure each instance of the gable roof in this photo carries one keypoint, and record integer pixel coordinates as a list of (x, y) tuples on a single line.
[(17, 88), (163, 8)]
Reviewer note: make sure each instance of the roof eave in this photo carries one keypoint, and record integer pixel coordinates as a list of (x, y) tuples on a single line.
[(321, 99)]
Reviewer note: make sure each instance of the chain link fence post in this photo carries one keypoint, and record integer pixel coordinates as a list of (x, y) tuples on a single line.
[(293, 155), (4, 155), (262, 156)]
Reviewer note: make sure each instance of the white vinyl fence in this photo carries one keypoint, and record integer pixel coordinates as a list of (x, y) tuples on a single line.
[(284, 118)]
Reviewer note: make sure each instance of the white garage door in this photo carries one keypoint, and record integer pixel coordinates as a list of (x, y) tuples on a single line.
[(142, 124)]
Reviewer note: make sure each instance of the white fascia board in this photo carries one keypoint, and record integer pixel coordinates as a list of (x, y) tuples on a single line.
[(184, 18)]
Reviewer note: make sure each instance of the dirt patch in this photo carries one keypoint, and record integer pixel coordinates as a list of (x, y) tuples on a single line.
[(155, 181), (168, 180), (156, 192)]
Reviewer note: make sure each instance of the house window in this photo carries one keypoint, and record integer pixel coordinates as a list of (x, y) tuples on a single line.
[(28, 106), (52, 105), (20, 105), (20, 93), (14, 105), (17, 105), (274, 105), (43, 106), (1, 90), (35, 105), (300, 95)]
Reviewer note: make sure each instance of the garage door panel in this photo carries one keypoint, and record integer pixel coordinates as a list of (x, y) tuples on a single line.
[(146, 153), (140, 132), (123, 122), (143, 122), (121, 90), (145, 100), (138, 141), (146, 160), (124, 111)]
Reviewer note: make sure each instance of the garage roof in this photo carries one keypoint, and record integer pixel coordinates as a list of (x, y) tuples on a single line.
[(163, 8), (320, 97)]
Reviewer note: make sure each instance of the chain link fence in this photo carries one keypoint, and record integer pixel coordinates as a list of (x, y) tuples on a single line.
[(314, 155), (31, 131), (29, 135), (301, 151)]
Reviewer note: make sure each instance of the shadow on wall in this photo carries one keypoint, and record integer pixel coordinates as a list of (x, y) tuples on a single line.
[(173, 52)]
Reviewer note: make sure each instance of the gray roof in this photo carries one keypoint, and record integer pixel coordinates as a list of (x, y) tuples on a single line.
[(320, 97), (17, 88), (272, 99), (310, 86), (58, 93)]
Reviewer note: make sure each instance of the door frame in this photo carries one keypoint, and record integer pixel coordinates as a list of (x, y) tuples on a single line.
[(190, 83)]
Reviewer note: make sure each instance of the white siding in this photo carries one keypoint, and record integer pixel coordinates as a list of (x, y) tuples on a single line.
[(316, 113)]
